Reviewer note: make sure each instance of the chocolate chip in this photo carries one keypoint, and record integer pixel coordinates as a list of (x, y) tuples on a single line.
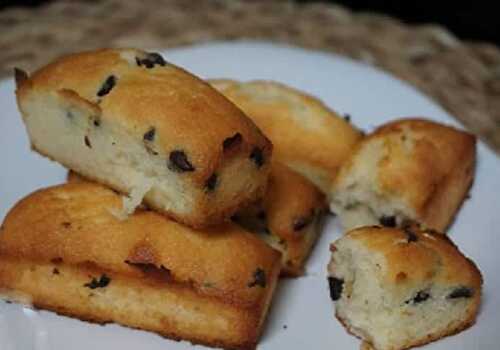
[(149, 135), (420, 297), (461, 292), (388, 221), (87, 141), (66, 224), (232, 141), (156, 58), (106, 87), (55, 271), (257, 156), (20, 75), (144, 62), (347, 117), (300, 223), (140, 62), (336, 286), (179, 162), (69, 115), (259, 278), (150, 60), (412, 236), (261, 215), (97, 122), (102, 282), (211, 182)]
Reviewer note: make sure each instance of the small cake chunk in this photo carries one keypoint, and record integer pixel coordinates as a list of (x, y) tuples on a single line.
[(408, 170), (399, 288)]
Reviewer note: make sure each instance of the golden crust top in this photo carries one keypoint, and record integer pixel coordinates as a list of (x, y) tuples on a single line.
[(142, 92), (415, 257), (418, 157), (314, 133), (74, 223)]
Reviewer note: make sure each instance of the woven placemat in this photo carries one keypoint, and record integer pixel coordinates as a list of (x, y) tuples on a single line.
[(463, 77)]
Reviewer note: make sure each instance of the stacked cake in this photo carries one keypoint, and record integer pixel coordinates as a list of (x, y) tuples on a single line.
[(186, 200)]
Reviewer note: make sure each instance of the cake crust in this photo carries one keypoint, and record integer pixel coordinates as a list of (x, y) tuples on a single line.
[(137, 109), (65, 250)]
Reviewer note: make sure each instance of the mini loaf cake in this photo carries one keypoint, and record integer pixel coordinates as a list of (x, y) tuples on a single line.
[(316, 141), (399, 288), (288, 218), (132, 121), (61, 249), (406, 170)]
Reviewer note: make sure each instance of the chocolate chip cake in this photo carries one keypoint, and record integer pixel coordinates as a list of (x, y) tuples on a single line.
[(289, 217), (62, 249), (316, 141), (399, 288), (132, 121), (406, 170)]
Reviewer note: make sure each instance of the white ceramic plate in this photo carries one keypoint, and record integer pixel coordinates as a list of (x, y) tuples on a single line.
[(301, 316)]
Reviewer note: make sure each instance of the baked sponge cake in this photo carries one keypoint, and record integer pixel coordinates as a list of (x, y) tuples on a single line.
[(62, 249), (406, 170), (130, 120), (289, 217), (399, 288), (307, 136)]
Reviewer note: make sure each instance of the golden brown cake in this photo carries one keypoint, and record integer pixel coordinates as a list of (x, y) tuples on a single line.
[(406, 170), (307, 136), (128, 119), (399, 288), (62, 249), (289, 217)]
